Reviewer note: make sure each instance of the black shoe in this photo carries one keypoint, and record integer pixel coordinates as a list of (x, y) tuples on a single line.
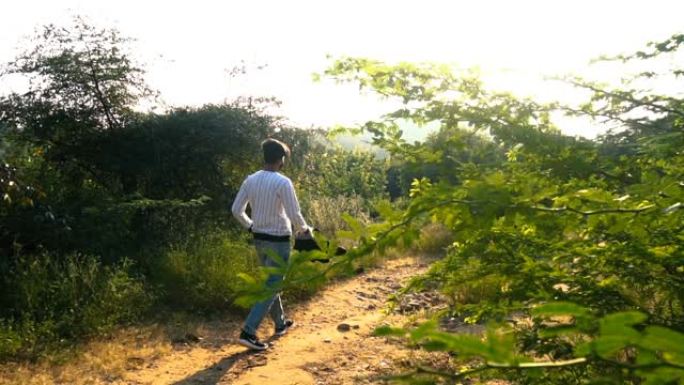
[(288, 324), (251, 341)]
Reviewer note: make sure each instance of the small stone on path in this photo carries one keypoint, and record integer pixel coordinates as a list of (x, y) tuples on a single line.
[(343, 327)]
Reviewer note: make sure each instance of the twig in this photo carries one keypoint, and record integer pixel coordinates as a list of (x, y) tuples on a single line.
[(593, 212), (426, 370), (531, 365)]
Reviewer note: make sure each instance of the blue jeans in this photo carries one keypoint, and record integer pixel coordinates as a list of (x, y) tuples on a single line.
[(271, 305)]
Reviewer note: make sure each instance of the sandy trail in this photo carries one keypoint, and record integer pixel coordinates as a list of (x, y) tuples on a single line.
[(318, 350)]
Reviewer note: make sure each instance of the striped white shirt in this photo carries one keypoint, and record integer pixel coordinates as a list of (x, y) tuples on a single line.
[(274, 204)]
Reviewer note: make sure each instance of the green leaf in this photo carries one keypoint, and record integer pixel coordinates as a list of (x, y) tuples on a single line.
[(618, 325), (608, 346), (435, 345), (384, 208), (470, 346), (646, 357), (386, 330), (355, 226), (661, 339), (584, 349), (556, 331), (423, 330), (248, 300), (246, 278), (626, 318), (273, 255), (559, 309), (663, 376)]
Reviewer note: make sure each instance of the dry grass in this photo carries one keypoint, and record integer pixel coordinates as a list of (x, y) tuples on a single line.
[(434, 239), (325, 213), (97, 362)]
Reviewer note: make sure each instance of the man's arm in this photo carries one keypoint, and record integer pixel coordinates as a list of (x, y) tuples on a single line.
[(240, 205), (292, 209)]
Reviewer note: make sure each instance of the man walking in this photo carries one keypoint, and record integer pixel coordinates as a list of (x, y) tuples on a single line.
[(274, 211)]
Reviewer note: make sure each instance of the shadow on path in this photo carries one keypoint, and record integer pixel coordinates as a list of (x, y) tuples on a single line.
[(213, 373)]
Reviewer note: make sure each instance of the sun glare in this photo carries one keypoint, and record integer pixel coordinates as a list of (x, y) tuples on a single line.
[(190, 49)]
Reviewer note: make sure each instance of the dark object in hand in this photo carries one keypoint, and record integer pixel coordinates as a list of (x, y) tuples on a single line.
[(308, 244)]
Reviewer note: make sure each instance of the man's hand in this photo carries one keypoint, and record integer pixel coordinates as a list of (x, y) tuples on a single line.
[(305, 234)]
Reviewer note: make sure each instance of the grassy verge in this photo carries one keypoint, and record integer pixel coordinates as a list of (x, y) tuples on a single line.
[(51, 301)]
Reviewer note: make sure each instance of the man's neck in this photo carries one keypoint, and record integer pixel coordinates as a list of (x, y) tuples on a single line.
[(271, 167)]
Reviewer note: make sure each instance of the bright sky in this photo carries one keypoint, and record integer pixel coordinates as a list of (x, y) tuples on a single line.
[(189, 45)]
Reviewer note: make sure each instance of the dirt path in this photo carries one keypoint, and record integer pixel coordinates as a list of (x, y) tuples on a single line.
[(318, 350)]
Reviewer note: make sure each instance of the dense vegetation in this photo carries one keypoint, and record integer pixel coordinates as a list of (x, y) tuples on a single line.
[(108, 213), (571, 249)]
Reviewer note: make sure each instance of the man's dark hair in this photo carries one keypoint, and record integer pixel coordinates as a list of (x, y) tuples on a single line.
[(274, 150)]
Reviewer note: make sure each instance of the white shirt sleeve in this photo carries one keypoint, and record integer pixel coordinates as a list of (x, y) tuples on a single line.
[(240, 205), (291, 205)]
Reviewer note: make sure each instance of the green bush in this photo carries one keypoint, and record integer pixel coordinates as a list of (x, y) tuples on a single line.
[(51, 298), (203, 276), (10, 339)]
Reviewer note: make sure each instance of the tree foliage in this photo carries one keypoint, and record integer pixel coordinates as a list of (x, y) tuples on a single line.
[(85, 172), (553, 218)]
